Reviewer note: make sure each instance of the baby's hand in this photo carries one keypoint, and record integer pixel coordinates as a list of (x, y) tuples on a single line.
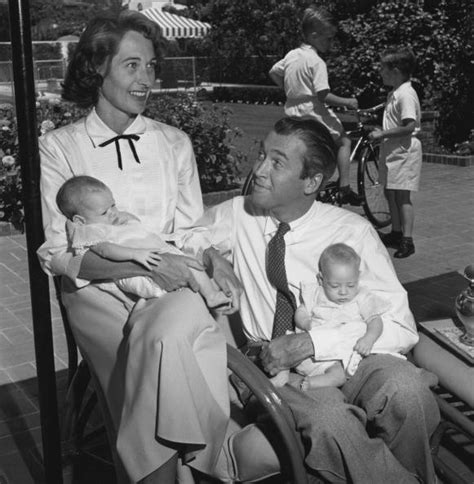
[(302, 318), (124, 217), (363, 346), (146, 257)]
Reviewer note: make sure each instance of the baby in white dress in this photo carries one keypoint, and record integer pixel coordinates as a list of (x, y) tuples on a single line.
[(94, 223), (337, 300)]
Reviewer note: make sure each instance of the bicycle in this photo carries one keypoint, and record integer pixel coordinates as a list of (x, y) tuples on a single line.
[(371, 191)]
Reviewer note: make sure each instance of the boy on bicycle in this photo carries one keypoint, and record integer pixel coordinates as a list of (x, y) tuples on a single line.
[(400, 150), (303, 75)]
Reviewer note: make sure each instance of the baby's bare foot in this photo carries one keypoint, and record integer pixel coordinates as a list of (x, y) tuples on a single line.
[(305, 385), (281, 379)]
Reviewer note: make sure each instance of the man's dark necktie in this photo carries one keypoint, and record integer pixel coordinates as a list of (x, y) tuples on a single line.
[(131, 138), (276, 272)]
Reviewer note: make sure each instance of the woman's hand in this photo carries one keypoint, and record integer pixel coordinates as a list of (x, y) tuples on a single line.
[(224, 276), (173, 272)]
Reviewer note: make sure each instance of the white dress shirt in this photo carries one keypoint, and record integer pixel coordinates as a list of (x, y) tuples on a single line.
[(241, 233), (162, 190)]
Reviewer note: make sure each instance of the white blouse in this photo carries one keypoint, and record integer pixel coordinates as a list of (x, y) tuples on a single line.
[(163, 190)]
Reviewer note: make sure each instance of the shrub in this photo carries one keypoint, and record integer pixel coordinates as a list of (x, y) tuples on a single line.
[(437, 35), (208, 127), (247, 94), (211, 133)]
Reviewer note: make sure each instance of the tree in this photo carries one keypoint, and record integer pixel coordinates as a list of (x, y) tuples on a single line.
[(259, 28)]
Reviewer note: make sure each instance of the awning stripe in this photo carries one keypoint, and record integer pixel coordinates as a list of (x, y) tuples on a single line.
[(175, 26)]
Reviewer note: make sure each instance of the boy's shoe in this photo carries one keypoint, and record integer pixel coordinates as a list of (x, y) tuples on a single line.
[(348, 196), (391, 239), (406, 248)]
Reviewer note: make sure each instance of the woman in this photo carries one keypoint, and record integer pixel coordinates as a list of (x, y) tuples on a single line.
[(162, 364)]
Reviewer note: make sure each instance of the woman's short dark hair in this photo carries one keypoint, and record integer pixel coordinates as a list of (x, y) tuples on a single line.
[(98, 44), (321, 151)]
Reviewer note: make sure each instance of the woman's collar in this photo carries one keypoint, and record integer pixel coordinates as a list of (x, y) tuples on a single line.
[(99, 132)]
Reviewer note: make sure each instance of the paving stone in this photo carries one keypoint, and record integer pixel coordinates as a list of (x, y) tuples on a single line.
[(14, 403), (23, 371), (18, 334), (4, 378), (8, 319), (17, 354)]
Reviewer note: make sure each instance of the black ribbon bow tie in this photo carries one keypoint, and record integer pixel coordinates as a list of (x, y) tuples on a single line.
[(131, 138)]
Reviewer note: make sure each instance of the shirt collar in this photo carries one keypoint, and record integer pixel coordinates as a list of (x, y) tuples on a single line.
[(401, 87), (271, 223), (306, 46), (99, 132), (322, 301)]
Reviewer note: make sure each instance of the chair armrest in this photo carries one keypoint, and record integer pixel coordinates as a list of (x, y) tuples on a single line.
[(279, 411)]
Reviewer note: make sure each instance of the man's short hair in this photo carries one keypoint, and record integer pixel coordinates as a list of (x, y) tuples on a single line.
[(72, 193), (317, 19), (321, 151), (98, 44), (401, 58), (338, 253)]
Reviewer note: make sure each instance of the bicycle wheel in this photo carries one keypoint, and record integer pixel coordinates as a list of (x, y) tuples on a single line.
[(375, 204)]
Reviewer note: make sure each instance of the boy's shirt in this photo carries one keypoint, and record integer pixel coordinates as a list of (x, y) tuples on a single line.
[(304, 73), (402, 103)]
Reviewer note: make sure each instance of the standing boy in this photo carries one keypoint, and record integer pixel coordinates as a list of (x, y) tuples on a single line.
[(304, 76), (400, 152)]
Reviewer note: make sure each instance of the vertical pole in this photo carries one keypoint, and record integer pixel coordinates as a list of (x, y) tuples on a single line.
[(194, 76), (25, 101)]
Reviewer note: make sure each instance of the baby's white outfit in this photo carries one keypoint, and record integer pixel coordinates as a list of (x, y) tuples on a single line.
[(350, 318), (132, 234)]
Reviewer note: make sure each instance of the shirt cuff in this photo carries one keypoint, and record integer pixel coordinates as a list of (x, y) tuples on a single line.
[(72, 271)]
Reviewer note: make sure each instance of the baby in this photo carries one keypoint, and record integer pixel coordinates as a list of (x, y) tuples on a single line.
[(94, 223), (338, 301)]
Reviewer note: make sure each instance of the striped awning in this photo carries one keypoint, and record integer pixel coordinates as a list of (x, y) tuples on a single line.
[(176, 27)]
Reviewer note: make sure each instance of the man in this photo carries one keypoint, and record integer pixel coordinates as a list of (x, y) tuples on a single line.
[(376, 427)]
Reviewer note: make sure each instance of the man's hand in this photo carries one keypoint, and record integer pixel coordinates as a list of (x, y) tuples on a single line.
[(224, 276), (286, 352), (173, 272)]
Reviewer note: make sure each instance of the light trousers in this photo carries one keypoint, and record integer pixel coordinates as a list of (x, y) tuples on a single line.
[(163, 371), (375, 429)]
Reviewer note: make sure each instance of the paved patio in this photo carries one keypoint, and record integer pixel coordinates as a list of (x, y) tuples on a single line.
[(444, 238)]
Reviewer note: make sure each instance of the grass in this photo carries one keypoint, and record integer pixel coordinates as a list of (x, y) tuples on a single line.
[(255, 121)]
